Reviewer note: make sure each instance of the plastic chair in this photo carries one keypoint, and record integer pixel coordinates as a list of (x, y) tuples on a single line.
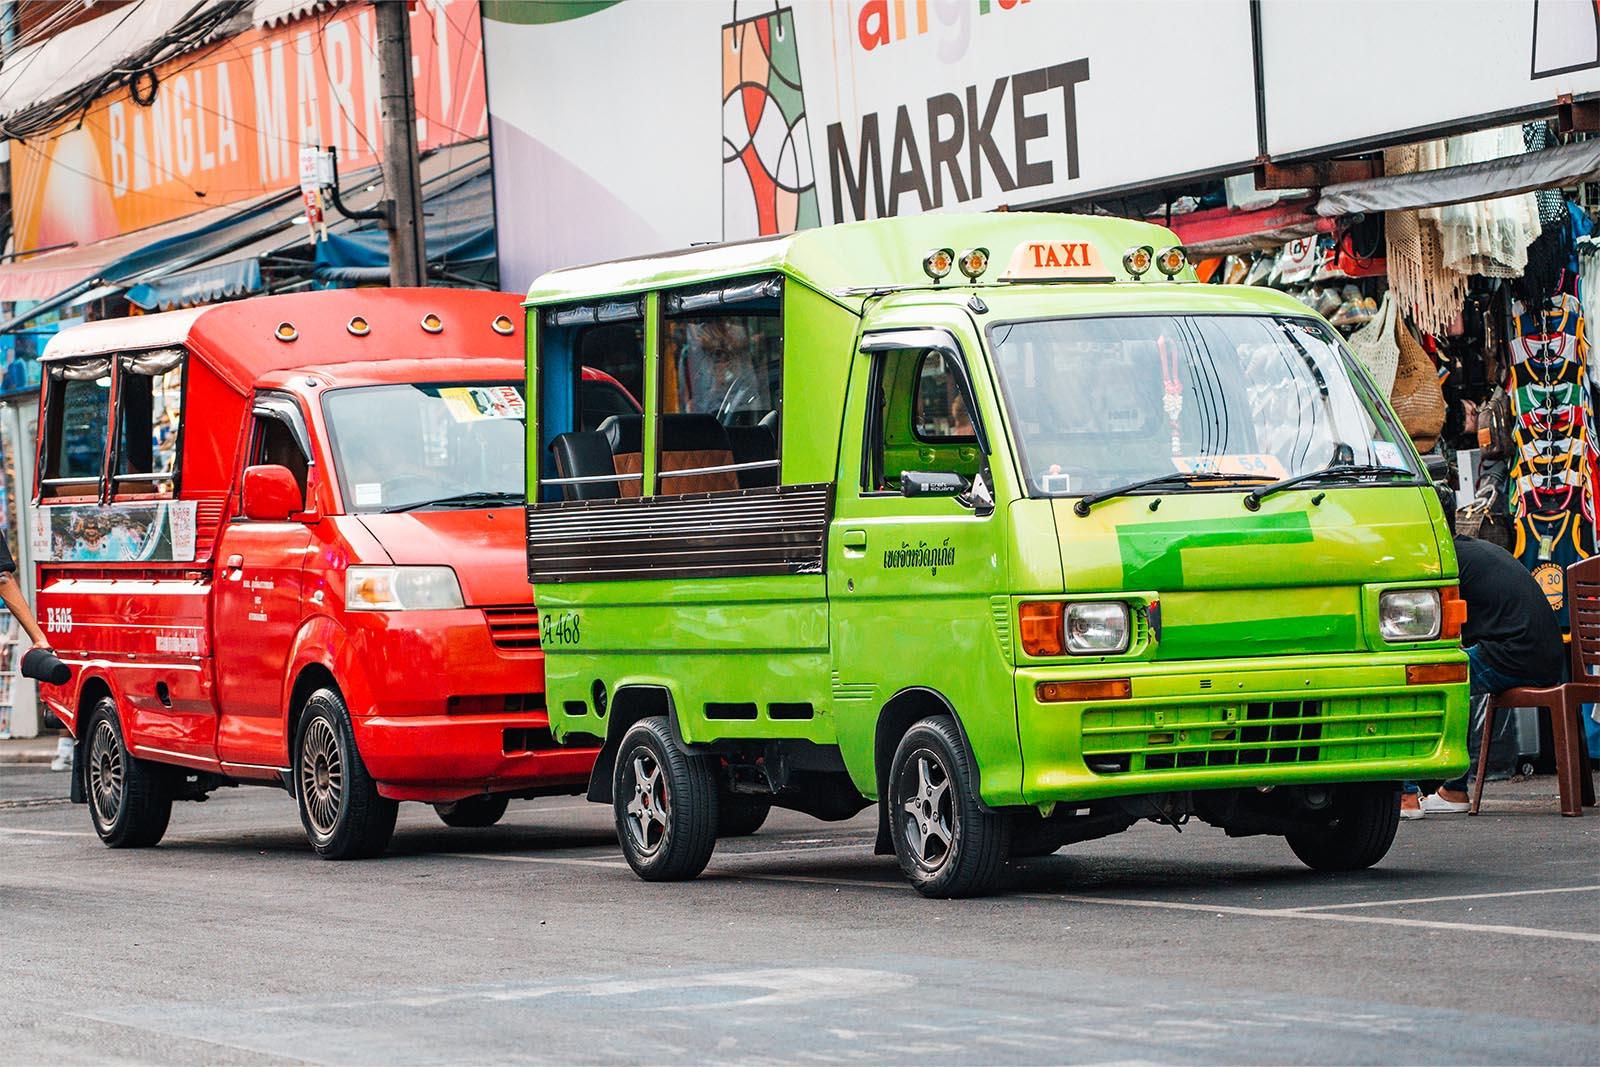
[(1565, 701)]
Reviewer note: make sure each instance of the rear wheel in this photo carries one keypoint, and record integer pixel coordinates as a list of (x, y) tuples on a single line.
[(130, 800), (740, 816), (1358, 834), (343, 814), (947, 845), (472, 811), (665, 804)]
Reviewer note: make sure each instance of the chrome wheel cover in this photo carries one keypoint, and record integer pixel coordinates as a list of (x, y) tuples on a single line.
[(321, 776), (105, 773), (647, 809), (927, 808)]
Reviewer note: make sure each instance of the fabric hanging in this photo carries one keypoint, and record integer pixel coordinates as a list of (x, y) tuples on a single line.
[(1589, 296), (1487, 237), (1426, 290)]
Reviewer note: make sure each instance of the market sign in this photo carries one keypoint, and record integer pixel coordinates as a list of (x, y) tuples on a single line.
[(228, 123), (708, 121), (1393, 72)]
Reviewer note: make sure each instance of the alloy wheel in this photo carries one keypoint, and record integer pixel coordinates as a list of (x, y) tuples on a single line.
[(647, 810), (927, 809), (321, 775), (105, 772)]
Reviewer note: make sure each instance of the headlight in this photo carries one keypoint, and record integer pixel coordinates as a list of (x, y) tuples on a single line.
[(1097, 628), (1409, 614), (401, 588)]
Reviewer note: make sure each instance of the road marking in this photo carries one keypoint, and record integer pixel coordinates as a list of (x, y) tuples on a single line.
[(563, 860), (1439, 900), (45, 833)]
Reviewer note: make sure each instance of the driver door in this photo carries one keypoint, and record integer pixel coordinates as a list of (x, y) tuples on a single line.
[(257, 599)]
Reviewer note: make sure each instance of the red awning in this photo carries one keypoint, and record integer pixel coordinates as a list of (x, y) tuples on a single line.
[(1222, 231)]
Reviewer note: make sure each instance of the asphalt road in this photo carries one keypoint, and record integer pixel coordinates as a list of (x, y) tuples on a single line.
[(1475, 941)]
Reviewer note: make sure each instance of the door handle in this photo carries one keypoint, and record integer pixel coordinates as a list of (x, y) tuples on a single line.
[(855, 542), (235, 563)]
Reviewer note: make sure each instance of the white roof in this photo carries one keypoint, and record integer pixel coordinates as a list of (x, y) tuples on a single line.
[(133, 334)]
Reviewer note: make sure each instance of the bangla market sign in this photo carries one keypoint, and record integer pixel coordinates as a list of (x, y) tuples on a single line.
[(227, 124), (716, 120)]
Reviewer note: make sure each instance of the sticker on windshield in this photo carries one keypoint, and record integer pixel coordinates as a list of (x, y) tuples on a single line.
[(369, 494), (1388, 453), (1263, 464), (471, 403)]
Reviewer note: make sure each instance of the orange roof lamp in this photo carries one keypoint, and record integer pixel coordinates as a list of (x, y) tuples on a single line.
[(1038, 261)]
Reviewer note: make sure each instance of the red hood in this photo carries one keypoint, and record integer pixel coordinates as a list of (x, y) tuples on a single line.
[(486, 546)]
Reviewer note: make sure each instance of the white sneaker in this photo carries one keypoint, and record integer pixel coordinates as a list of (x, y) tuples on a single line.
[(61, 763), (1411, 813), (1433, 802)]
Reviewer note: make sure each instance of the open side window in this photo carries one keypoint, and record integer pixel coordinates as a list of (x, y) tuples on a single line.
[(77, 426), (921, 415), (721, 387), (149, 420), (278, 437), (591, 392)]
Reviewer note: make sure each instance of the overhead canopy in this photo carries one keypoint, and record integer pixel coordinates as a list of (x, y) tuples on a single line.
[(1223, 231), (1508, 176)]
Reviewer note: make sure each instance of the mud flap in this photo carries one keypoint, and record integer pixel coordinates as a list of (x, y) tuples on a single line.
[(885, 843), (79, 794)]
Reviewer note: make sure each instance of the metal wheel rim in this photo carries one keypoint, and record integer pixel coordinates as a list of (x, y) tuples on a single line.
[(321, 776), (105, 773), (925, 805), (648, 808)]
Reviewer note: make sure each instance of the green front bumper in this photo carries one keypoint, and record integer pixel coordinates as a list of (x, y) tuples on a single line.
[(1242, 722)]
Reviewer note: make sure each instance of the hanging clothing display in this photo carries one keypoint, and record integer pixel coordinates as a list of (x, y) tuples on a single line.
[(1428, 291), (1486, 237)]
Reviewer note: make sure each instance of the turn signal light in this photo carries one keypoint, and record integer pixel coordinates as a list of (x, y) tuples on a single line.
[(1136, 261), (1040, 623), (1171, 261), (937, 264), (973, 262), (1435, 673), (1099, 689), (1455, 612)]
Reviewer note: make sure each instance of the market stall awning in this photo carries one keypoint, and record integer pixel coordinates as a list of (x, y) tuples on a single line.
[(1552, 168), (1224, 231)]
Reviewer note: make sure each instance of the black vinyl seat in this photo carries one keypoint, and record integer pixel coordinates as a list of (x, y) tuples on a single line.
[(624, 434), (756, 444), (584, 454)]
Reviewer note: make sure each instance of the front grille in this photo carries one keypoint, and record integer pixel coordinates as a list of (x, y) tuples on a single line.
[(514, 628), (1194, 737)]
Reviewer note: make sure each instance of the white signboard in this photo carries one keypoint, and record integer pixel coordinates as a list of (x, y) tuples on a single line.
[(639, 127), (1343, 72)]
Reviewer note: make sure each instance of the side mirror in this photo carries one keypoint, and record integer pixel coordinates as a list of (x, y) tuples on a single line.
[(931, 483), (271, 493), (1437, 466)]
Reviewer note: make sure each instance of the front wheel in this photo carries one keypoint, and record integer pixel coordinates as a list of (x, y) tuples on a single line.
[(472, 812), (947, 845), (1358, 833), (665, 804), (130, 799), (343, 814)]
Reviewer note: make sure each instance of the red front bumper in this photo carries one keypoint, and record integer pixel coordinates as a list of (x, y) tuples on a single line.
[(439, 758)]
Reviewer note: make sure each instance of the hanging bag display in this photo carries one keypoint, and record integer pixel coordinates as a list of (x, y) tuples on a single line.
[(1374, 346), (1417, 396)]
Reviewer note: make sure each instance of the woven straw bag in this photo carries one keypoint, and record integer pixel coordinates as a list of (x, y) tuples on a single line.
[(1417, 397), (1374, 346)]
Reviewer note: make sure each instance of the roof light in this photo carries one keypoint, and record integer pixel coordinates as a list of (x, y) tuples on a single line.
[(1172, 260), (358, 326), (432, 323), (1077, 261), (503, 325), (937, 264), (1136, 261), (286, 331), (973, 262)]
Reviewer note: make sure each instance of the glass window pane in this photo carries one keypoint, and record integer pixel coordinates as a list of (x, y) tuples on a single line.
[(941, 411), (85, 412), (151, 411)]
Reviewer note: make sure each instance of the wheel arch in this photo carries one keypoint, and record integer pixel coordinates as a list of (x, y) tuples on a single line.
[(311, 677), (630, 702), (91, 690), (898, 714)]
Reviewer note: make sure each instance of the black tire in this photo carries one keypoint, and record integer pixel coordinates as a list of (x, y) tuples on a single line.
[(130, 799), (740, 816), (472, 812), (665, 801), (946, 844), (344, 817), (1361, 829)]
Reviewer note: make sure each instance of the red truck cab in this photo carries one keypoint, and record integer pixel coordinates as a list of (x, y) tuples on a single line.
[(280, 542)]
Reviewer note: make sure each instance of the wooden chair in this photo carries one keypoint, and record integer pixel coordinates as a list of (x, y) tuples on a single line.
[(1565, 702)]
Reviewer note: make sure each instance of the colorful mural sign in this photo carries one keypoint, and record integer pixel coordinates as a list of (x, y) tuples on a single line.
[(227, 124), (161, 532)]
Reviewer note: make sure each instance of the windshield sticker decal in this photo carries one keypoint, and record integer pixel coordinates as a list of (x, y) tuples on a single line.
[(369, 494), (916, 558), (117, 533), (1263, 463), (472, 403), (1388, 454)]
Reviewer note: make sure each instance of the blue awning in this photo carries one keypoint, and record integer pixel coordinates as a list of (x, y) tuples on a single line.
[(458, 233), (223, 280)]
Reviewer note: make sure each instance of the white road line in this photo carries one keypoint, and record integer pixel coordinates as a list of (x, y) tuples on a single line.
[(45, 833), (1439, 900), (560, 860)]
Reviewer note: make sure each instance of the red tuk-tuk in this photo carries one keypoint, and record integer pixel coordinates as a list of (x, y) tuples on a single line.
[(280, 541)]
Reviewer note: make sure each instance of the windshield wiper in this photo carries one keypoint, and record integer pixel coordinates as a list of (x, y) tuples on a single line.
[(460, 500), (1253, 499), (1184, 478)]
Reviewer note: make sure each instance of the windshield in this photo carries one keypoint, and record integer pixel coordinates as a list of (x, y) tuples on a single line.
[(1096, 403), (399, 445)]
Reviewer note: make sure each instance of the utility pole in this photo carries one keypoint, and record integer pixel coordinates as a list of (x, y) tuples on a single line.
[(402, 176)]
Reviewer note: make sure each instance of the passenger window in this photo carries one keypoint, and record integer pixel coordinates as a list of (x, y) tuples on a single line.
[(919, 419), (150, 404), (77, 424), (591, 400), (611, 358), (275, 444), (721, 375)]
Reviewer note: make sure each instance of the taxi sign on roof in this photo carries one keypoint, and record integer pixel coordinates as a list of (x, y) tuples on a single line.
[(1056, 260)]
